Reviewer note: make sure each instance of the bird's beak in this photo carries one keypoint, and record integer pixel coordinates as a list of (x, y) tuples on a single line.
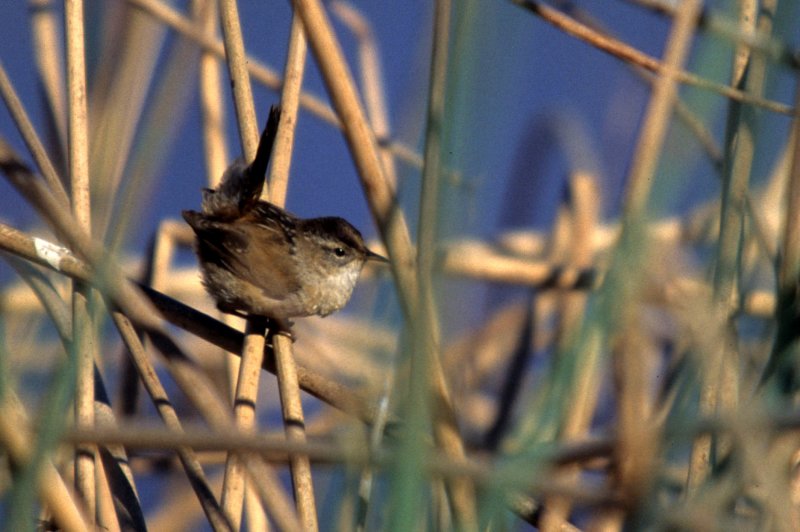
[(371, 255)]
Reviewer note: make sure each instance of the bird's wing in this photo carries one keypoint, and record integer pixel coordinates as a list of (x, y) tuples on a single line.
[(256, 253)]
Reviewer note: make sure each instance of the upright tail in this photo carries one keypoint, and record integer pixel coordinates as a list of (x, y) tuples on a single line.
[(242, 184)]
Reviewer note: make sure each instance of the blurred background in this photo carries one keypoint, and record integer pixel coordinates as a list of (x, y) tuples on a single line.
[(539, 134), (531, 101)]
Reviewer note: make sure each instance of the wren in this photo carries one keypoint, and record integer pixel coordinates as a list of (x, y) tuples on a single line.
[(259, 259)]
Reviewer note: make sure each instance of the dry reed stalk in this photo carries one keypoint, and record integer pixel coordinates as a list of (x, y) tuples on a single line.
[(372, 85), (290, 100), (363, 147), (122, 80), (635, 353), (190, 320), (105, 274), (380, 196), (240, 79), (720, 386), (121, 485), (216, 158), (262, 73), (246, 394), (478, 260), (374, 99), (263, 482), (657, 115), (215, 149), (253, 507), (285, 367), (274, 446), (15, 434), (634, 56), (294, 426), (83, 347), (83, 329), (160, 254), (276, 502), (163, 405), (635, 427), (376, 108), (49, 54), (245, 400)]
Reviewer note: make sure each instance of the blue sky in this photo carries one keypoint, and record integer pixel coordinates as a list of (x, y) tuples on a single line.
[(526, 103), (524, 71)]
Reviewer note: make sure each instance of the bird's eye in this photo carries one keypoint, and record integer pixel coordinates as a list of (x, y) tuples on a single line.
[(339, 252)]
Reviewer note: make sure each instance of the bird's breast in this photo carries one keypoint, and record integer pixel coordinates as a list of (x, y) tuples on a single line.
[(328, 294)]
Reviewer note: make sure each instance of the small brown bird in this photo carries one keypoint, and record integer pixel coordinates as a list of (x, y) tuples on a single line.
[(259, 259)]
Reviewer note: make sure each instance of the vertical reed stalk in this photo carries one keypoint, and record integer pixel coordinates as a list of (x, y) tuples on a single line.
[(285, 368), (635, 428), (215, 150), (83, 335), (372, 84), (15, 437), (240, 78), (720, 383), (49, 54), (245, 401), (290, 101), (380, 194), (253, 351), (427, 328)]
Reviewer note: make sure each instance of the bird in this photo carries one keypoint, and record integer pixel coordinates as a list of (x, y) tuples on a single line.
[(259, 259)]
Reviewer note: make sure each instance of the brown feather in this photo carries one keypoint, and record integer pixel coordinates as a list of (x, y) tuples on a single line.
[(234, 246)]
